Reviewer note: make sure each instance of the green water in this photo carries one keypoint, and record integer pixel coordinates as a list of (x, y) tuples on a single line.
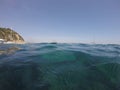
[(61, 67)]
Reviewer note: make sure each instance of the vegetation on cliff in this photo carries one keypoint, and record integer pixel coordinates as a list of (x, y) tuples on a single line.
[(8, 35)]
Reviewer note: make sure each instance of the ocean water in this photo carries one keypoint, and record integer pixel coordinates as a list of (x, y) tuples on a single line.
[(47, 66)]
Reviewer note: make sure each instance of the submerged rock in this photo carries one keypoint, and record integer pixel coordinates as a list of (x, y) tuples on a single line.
[(9, 50), (10, 36)]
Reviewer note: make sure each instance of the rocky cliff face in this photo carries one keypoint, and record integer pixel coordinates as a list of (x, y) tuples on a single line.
[(9, 35)]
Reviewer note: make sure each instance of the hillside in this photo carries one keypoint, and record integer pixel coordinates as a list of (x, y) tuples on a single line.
[(9, 35)]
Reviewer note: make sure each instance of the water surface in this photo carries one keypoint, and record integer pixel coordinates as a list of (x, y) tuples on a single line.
[(60, 67)]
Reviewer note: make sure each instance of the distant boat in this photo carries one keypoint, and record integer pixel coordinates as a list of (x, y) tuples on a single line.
[(53, 43), (2, 41)]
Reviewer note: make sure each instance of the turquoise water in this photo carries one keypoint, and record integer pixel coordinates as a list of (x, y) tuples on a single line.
[(60, 67)]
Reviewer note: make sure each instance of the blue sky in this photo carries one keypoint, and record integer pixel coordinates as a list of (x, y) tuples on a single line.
[(81, 21)]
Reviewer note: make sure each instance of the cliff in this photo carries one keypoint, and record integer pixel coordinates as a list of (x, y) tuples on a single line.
[(9, 35)]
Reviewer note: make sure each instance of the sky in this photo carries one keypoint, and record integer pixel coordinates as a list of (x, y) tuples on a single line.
[(70, 21)]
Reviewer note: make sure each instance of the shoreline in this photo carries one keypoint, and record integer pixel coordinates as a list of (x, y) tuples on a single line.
[(14, 42)]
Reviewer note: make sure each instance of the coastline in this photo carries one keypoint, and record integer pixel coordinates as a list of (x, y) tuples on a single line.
[(14, 42)]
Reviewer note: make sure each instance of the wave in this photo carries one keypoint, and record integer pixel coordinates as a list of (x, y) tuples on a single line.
[(60, 67)]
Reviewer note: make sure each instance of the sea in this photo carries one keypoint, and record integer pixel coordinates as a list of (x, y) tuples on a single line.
[(60, 66)]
